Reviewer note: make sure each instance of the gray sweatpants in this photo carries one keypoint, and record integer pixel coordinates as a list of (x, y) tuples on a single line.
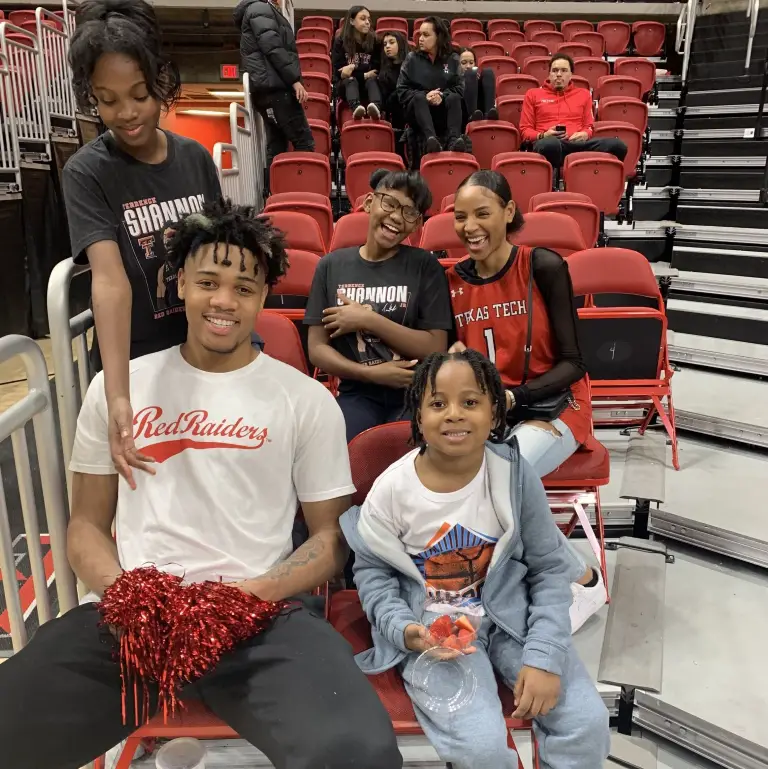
[(574, 735)]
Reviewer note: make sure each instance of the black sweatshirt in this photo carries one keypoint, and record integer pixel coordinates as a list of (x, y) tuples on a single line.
[(419, 74), (365, 61)]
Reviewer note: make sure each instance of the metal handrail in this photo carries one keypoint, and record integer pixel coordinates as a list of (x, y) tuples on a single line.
[(753, 11), (691, 10)]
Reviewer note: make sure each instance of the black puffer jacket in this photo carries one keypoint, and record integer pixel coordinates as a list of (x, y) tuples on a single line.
[(267, 46)]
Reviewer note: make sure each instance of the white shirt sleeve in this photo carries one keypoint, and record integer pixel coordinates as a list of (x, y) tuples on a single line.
[(90, 453), (321, 465)]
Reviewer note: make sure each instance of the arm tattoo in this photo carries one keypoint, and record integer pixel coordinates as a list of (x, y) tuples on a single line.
[(317, 547)]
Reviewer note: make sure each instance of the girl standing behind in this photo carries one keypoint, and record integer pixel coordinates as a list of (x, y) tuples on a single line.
[(356, 57), (124, 192), (479, 88), (394, 51)]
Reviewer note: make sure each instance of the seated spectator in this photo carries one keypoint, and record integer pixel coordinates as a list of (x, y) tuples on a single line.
[(394, 50), (479, 89), (217, 509), (557, 118), (461, 526), (430, 89), (355, 59), (375, 311), (493, 305)]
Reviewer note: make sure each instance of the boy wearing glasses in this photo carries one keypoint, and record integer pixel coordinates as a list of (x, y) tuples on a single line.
[(375, 310)]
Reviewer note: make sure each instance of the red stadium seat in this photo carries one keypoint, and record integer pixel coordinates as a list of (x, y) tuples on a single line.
[(359, 204), (532, 26), (300, 172), (487, 48), (366, 136), (524, 50), (515, 85), (528, 173), (648, 37), (343, 113), (594, 40), (302, 232), (297, 280), (574, 26), (448, 203), (491, 137), (622, 86), (312, 63), (575, 50), (17, 18), (312, 48), (350, 230), (598, 175), (616, 34), (321, 133), (501, 65), (439, 234), (631, 135), (639, 68), (360, 167), (317, 82), (443, 172), (550, 38), (579, 207), (538, 67), (318, 21), (510, 108), (544, 229), (391, 24), (466, 38), (592, 69), (509, 39), (316, 33), (464, 24), (615, 108), (318, 107), (316, 206), (581, 82), (502, 25)]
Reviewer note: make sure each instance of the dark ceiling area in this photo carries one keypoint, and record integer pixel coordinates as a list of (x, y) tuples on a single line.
[(192, 30)]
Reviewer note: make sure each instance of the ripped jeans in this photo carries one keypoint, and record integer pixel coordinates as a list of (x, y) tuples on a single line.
[(545, 452)]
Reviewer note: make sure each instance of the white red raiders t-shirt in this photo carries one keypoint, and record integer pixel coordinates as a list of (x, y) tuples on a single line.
[(235, 453)]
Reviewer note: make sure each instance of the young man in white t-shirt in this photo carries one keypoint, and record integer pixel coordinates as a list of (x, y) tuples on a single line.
[(235, 440)]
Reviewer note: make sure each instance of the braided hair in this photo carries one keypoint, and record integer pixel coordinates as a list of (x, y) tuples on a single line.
[(486, 376), (232, 225)]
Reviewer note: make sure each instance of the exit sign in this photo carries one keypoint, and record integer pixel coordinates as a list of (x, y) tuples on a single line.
[(229, 72)]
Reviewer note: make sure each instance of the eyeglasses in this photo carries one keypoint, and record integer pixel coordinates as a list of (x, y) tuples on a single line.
[(391, 204)]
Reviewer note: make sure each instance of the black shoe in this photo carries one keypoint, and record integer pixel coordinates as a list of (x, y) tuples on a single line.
[(432, 145), (358, 112), (458, 145), (374, 113), (493, 114), (476, 115)]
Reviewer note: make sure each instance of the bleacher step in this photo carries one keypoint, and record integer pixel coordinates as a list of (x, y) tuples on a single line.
[(645, 467), (632, 753), (724, 319), (725, 354)]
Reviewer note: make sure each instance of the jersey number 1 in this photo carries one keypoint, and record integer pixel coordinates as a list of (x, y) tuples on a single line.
[(490, 344)]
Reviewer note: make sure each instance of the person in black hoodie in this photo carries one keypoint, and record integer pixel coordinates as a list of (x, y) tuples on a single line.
[(269, 54), (394, 49), (431, 86), (479, 88), (355, 60)]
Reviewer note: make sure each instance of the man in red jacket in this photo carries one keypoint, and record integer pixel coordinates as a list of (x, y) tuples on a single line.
[(557, 118)]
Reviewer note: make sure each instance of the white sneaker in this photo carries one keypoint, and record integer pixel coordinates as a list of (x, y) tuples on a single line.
[(586, 601), (359, 112)]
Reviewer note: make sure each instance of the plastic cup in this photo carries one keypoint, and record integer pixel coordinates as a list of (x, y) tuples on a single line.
[(449, 683), (184, 753)]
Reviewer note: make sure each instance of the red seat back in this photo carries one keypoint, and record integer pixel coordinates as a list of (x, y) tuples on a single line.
[(301, 171), (639, 68), (491, 137), (515, 85), (550, 38), (321, 133), (574, 26), (466, 38), (17, 18), (367, 136), (509, 39), (584, 212), (616, 34), (301, 231), (439, 234), (317, 82), (297, 280), (580, 82), (487, 48), (619, 85), (524, 50), (391, 24), (510, 108), (538, 67), (318, 21), (630, 135), (555, 196), (648, 37), (316, 33), (350, 230), (281, 339), (597, 175), (502, 25), (528, 173), (575, 50), (360, 167), (316, 206), (318, 107), (443, 172), (464, 24), (617, 109), (544, 229), (592, 69), (312, 63), (312, 47), (501, 65), (532, 26), (594, 40), (448, 203), (373, 451)]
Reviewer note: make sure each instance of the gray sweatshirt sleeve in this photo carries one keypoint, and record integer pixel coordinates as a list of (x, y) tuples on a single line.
[(549, 623)]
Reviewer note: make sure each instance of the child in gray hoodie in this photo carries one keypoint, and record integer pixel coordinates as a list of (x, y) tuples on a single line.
[(461, 525)]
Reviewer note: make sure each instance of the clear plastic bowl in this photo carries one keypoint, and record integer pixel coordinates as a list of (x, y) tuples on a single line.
[(448, 681), (183, 753)]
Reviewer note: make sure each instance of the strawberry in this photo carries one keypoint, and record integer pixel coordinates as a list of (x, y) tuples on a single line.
[(441, 628), (466, 638), (464, 624), (452, 642)]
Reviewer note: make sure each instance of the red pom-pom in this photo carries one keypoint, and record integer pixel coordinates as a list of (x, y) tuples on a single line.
[(171, 633)]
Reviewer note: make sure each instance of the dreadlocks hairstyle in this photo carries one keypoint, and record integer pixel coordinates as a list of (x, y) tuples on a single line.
[(486, 376), (238, 226), (128, 27)]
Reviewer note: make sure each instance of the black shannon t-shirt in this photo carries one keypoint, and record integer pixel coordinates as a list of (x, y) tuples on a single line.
[(112, 196), (409, 288)]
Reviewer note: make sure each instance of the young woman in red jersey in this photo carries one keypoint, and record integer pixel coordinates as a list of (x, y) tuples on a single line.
[(490, 300)]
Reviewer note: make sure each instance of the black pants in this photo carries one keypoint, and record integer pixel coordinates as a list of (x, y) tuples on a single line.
[(294, 692), (444, 118), (363, 410), (284, 121), (350, 91), (479, 92), (555, 150)]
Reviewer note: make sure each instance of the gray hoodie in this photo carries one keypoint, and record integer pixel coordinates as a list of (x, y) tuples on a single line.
[(527, 590)]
